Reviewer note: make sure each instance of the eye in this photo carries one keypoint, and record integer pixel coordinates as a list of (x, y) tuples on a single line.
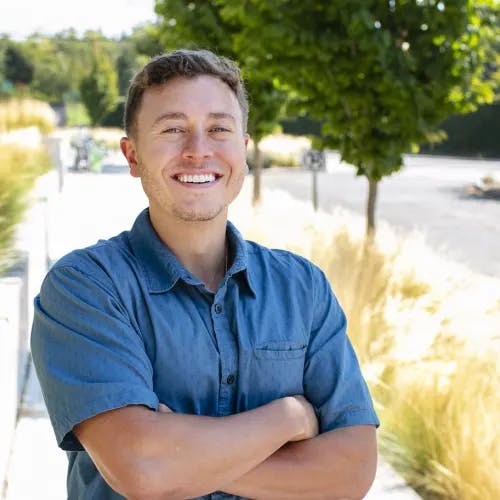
[(172, 130), (219, 129)]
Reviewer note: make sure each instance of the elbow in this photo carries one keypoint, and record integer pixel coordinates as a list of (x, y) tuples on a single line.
[(362, 479), (354, 491), (140, 479), (149, 486), (360, 490), (144, 484), (358, 473)]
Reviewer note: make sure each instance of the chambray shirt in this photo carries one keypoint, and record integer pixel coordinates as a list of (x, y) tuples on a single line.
[(124, 323)]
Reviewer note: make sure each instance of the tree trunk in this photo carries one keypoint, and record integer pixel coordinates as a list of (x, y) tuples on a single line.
[(370, 208), (366, 264), (257, 171)]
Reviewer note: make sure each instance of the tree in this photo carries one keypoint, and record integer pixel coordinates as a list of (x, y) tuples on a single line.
[(99, 89), (135, 51), (146, 41), (62, 60), (380, 74), (199, 23), (17, 68), (51, 64), (4, 43), (125, 71)]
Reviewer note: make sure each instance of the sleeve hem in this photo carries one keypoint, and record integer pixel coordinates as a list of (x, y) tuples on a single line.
[(67, 440), (352, 417)]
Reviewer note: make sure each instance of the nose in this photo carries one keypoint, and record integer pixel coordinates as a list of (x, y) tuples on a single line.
[(197, 147)]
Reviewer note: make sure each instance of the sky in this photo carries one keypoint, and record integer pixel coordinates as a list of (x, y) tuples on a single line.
[(20, 18)]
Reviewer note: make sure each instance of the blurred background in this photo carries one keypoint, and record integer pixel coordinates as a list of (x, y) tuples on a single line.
[(375, 152)]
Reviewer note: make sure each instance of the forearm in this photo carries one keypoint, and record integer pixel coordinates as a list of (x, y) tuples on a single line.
[(339, 464), (184, 456), (206, 452)]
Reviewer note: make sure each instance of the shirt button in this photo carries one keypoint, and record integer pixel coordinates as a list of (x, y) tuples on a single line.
[(230, 379), (218, 308)]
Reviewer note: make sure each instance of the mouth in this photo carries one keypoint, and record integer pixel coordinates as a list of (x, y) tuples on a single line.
[(196, 179)]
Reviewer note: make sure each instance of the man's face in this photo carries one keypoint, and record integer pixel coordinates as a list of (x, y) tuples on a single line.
[(189, 148)]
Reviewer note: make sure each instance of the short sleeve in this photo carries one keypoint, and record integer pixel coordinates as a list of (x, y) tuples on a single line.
[(333, 381), (88, 357)]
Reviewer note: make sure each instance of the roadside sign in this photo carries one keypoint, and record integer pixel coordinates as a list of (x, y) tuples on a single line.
[(314, 160)]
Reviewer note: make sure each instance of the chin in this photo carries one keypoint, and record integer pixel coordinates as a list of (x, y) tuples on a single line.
[(198, 215)]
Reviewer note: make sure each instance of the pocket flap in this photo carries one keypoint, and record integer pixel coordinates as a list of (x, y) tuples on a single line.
[(280, 350)]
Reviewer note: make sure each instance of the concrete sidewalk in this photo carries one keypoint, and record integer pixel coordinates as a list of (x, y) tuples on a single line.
[(92, 206)]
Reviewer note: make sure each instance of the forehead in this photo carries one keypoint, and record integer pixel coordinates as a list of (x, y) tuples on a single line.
[(194, 97)]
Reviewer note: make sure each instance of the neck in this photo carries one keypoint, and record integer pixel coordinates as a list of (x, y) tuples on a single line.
[(199, 246)]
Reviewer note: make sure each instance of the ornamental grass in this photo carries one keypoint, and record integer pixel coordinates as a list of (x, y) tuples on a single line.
[(20, 113), (426, 331), (19, 168)]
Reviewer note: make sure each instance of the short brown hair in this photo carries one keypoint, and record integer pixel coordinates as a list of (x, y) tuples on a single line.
[(186, 63)]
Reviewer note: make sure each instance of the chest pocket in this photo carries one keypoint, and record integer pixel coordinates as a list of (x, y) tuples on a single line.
[(280, 350), (278, 369)]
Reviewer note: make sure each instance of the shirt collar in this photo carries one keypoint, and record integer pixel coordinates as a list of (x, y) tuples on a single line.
[(161, 267), (239, 251)]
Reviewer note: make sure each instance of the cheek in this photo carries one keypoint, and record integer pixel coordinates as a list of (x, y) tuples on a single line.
[(158, 157), (157, 151), (238, 159), (160, 149)]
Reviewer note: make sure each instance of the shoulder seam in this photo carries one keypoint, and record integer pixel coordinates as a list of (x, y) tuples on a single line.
[(86, 274)]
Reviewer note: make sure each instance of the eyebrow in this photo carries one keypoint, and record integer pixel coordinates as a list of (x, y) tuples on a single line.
[(182, 116)]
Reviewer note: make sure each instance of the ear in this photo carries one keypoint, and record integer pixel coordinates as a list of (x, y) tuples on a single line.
[(247, 138), (129, 151)]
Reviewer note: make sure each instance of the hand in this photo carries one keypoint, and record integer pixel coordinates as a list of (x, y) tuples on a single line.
[(164, 408), (308, 422)]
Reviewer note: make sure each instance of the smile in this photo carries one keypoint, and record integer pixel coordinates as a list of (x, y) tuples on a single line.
[(195, 179)]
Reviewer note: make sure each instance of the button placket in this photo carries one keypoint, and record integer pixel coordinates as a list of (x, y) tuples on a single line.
[(228, 354)]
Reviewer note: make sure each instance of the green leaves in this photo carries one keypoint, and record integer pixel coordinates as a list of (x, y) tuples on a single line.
[(17, 68), (99, 89), (216, 24), (381, 75)]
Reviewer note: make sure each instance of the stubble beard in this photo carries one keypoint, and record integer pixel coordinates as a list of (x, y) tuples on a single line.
[(193, 216), (155, 194)]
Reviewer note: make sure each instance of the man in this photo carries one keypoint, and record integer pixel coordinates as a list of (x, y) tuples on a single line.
[(178, 360)]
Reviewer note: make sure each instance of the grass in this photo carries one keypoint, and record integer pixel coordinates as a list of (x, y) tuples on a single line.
[(19, 167), (441, 433), (22, 113), (76, 115), (426, 332)]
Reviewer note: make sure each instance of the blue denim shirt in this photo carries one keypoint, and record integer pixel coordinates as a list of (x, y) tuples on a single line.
[(123, 323)]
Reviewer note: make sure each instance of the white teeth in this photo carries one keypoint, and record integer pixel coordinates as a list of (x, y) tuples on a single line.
[(196, 179)]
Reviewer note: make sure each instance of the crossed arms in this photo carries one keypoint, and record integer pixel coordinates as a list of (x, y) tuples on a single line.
[(270, 452)]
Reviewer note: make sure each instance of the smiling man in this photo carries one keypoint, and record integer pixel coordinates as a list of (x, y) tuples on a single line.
[(178, 360)]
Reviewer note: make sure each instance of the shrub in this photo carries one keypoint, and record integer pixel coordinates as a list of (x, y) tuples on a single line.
[(426, 333), (441, 425), (19, 167), (22, 113), (280, 150), (76, 114), (266, 158)]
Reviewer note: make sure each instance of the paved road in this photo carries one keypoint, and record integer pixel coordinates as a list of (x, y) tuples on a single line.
[(428, 195)]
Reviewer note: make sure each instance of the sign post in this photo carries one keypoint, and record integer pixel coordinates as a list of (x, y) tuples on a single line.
[(314, 160)]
